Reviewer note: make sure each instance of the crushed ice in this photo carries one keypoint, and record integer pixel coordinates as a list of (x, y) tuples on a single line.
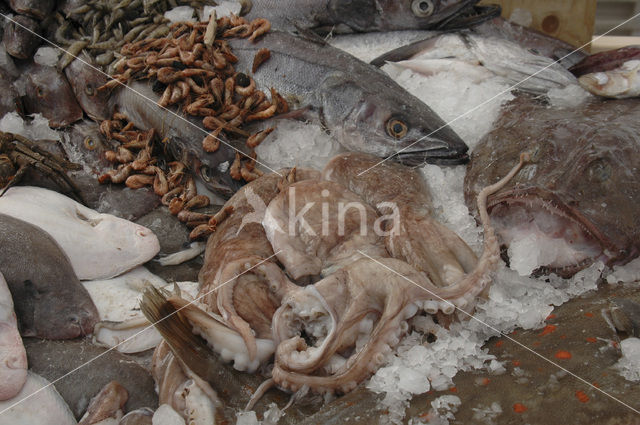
[(47, 56), (629, 363), (36, 129), (180, 14)]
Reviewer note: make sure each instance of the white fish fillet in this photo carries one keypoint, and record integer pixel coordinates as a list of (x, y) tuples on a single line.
[(99, 246)]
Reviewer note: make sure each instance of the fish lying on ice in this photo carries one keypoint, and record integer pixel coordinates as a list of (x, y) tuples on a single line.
[(43, 407), (13, 357), (363, 108), (341, 16), (49, 300), (518, 65), (99, 246), (605, 61), (577, 201)]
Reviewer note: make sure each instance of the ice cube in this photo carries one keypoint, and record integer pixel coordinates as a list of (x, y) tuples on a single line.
[(180, 14), (46, 56)]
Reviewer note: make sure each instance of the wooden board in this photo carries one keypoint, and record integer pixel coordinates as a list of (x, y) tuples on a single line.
[(611, 42), (570, 20)]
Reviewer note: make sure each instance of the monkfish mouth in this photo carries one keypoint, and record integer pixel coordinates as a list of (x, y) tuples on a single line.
[(544, 234)]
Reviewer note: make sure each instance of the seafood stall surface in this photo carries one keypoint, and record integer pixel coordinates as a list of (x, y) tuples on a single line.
[(338, 293)]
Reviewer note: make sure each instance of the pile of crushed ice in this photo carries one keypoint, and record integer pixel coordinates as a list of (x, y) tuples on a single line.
[(35, 129), (629, 363)]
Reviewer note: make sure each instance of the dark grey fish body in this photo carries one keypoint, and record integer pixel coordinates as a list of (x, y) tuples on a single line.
[(357, 15), (362, 107), (10, 100), (21, 43), (625, 314), (39, 9), (582, 187), (50, 302), (184, 135), (48, 92)]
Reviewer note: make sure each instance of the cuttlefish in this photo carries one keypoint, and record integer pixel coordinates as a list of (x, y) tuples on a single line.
[(323, 270)]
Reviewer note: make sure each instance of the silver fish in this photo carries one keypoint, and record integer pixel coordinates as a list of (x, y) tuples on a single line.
[(363, 108)]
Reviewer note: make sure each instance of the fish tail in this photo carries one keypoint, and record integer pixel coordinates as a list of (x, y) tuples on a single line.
[(175, 329)]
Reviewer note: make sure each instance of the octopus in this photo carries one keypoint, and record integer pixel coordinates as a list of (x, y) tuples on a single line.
[(319, 273)]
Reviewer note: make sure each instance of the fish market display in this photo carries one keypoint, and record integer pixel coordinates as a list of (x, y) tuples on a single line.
[(49, 300), (356, 310), (99, 246), (13, 358), (347, 16), (578, 198), (43, 407)]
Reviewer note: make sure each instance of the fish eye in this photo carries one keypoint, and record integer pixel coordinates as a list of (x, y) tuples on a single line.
[(396, 128), (89, 90), (422, 8), (204, 172), (90, 144), (39, 91)]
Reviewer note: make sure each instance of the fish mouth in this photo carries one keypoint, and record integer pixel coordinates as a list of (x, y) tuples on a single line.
[(564, 240), (467, 14)]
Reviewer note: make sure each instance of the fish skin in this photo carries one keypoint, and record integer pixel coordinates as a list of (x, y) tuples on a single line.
[(39, 9), (99, 246), (50, 302), (184, 135), (605, 61), (19, 42), (10, 100), (13, 357), (49, 93), (356, 15), (584, 162), (351, 99)]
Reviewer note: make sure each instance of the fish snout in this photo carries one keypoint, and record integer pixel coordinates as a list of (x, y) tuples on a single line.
[(83, 320)]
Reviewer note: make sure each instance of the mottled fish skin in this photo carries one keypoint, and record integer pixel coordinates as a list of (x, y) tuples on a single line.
[(10, 100), (359, 105), (357, 15), (21, 43), (49, 93), (50, 302), (585, 166), (85, 79), (183, 133), (39, 9)]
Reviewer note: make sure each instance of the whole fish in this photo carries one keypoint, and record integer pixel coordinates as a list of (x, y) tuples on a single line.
[(618, 83), (529, 71), (13, 357), (99, 246), (50, 302), (49, 93), (39, 9), (20, 37), (359, 16), (44, 406), (363, 108), (577, 201)]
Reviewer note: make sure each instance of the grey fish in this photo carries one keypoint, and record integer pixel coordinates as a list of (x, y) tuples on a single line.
[(39, 9), (49, 93), (358, 15), (184, 133), (362, 107), (21, 43), (10, 100), (518, 65), (625, 314), (50, 302), (582, 189)]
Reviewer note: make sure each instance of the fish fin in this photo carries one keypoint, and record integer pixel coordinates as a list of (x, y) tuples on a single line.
[(404, 52), (296, 114), (188, 347), (309, 35)]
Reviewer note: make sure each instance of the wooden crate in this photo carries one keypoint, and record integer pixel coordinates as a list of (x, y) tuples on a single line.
[(569, 20)]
